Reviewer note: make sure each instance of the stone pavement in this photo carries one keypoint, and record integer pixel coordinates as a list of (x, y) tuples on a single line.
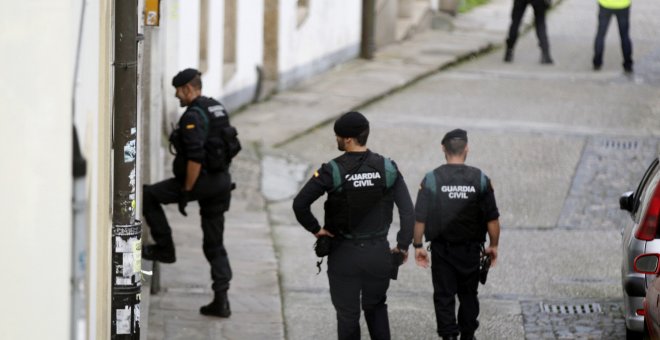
[(257, 301)]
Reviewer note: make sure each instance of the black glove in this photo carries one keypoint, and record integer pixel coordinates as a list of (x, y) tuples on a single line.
[(322, 246), (183, 201)]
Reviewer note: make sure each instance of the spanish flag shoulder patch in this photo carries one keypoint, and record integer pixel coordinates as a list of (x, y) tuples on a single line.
[(316, 173), (190, 126)]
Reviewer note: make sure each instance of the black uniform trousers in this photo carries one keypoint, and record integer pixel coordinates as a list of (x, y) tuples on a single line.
[(455, 272), (213, 192), (517, 13), (623, 20), (359, 273)]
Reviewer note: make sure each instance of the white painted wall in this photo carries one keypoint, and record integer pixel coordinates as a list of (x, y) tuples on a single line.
[(182, 47), (249, 51), (212, 79), (36, 75), (330, 34)]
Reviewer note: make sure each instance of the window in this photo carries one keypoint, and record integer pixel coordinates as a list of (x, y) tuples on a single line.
[(229, 58)]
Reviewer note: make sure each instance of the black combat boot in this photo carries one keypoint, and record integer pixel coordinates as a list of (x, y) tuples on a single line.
[(160, 253), (508, 55), (450, 337), (545, 58), (218, 307)]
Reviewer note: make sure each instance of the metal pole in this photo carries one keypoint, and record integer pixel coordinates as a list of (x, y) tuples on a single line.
[(126, 229), (79, 258), (368, 44)]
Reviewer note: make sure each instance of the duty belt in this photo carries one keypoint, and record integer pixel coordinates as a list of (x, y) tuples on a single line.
[(365, 236)]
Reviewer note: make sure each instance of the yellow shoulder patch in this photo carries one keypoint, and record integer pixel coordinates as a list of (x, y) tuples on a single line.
[(190, 126), (316, 173)]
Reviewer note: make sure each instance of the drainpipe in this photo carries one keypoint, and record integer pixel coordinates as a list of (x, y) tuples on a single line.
[(126, 229), (79, 237), (368, 44), (79, 258)]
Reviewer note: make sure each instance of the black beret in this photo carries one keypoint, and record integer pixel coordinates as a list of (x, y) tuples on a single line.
[(351, 124), (455, 134), (185, 76)]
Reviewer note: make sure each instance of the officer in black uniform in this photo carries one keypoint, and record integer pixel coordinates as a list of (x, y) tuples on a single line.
[(517, 12), (192, 182), (455, 209), (362, 187)]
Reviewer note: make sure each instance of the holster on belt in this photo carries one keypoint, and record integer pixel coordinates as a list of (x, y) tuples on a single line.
[(397, 260)]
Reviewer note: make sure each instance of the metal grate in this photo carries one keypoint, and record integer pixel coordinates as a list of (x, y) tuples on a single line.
[(621, 145), (587, 308)]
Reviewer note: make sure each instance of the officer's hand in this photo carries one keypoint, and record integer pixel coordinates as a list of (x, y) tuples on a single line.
[(421, 257), (405, 253), (492, 251), (323, 232), (183, 201)]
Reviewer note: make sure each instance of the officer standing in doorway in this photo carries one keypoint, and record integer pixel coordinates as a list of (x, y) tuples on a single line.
[(194, 180), (455, 209), (362, 187)]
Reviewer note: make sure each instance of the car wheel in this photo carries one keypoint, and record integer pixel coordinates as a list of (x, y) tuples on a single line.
[(632, 335), (646, 335)]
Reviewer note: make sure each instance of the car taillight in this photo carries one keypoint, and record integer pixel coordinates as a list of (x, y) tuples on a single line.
[(649, 224)]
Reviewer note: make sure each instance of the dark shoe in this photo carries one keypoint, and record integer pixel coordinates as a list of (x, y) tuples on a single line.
[(508, 55), (597, 67), (468, 337), (628, 70), (155, 252), (546, 59), (450, 337), (218, 307)]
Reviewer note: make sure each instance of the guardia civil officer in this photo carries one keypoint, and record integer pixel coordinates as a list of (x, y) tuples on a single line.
[(193, 182), (455, 209), (362, 187)]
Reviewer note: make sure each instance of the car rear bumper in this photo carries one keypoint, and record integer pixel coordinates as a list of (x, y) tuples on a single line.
[(634, 322)]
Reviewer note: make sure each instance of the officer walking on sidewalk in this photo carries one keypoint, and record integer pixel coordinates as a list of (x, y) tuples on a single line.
[(455, 209), (362, 187), (193, 181)]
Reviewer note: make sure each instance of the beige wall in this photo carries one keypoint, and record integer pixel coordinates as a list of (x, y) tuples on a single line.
[(37, 44)]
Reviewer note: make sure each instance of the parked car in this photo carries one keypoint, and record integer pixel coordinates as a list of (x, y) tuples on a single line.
[(648, 264), (640, 236)]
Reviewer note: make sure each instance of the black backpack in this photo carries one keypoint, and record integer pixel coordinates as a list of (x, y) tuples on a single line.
[(221, 144)]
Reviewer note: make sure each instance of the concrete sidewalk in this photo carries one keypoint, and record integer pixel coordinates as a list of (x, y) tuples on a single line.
[(255, 294)]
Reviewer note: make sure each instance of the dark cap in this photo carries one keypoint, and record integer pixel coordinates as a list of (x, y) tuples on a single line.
[(184, 77), (351, 124), (455, 134)]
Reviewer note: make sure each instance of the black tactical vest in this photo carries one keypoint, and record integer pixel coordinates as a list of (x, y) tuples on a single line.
[(215, 120), (360, 204), (455, 213)]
